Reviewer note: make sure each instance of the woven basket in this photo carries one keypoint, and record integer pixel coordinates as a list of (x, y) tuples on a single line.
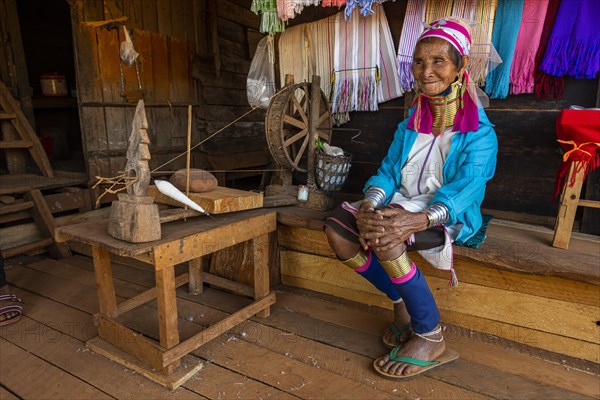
[(331, 171)]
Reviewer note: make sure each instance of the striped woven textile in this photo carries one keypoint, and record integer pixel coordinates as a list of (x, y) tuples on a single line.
[(528, 42), (322, 43), (354, 58), (481, 16), (411, 29), (438, 9), (389, 87), (355, 62), (294, 56), (506, 28)]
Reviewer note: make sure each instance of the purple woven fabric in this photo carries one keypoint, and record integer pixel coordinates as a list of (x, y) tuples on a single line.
[(574, 46)]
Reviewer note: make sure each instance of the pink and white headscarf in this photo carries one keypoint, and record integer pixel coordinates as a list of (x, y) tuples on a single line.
[(467, 117), (451, 31)]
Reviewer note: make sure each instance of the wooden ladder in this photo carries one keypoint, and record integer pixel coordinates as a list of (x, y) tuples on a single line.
[(17, 134), (36, 205)]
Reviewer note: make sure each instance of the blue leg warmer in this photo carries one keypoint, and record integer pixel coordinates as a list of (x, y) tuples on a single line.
[(420, 303), (375, 274)]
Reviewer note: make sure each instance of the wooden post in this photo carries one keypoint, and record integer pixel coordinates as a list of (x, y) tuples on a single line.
[(195, 276), (167, 306), (313, 122), (260, 255), (569, 199), (106, 289)]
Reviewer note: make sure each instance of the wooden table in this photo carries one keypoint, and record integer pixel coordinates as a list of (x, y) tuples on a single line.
[(182, 241)]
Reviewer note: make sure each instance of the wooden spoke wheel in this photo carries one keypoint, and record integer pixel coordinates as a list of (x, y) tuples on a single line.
[(287, 125)]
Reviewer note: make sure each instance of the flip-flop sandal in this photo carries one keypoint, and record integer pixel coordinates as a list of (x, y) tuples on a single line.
[(13, 307), (447, 357), (397, 335)]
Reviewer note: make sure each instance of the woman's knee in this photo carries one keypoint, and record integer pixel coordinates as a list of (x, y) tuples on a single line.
[(342, 247)]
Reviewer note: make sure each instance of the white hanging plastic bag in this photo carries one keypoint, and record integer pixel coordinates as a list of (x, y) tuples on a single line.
[(260, 84)]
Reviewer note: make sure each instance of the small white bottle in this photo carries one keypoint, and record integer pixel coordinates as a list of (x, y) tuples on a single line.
[(302, 193)]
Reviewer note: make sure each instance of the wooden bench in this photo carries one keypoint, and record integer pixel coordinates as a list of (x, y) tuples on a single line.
[(516, 285), (182, 241)]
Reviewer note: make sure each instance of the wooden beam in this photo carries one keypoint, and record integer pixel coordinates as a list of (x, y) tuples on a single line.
[(203, 243), (217, 329), (147, 296), (15, 144), (129, 341), (45, 222)]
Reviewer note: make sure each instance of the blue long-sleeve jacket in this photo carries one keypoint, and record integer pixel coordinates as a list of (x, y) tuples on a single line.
[(470, 163)]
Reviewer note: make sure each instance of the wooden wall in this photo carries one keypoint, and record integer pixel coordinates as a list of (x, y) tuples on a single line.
[(220, 38), (192, 52)]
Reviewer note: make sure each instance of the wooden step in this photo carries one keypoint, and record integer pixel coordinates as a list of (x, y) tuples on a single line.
[(13, 251), (16, 207), (15, 144), (7, 116)]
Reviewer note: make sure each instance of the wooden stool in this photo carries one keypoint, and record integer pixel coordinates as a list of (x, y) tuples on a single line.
[(569, 200)]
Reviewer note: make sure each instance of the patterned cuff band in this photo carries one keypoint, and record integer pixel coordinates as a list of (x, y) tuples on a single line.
[(399, 267), (437, 214), (375, 195), (357, 261)]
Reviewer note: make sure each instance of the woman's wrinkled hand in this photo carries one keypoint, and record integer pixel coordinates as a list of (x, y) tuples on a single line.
[(365, 220), (391, 227)]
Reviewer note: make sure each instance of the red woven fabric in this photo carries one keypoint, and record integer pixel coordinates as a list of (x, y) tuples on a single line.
[(578, 133)]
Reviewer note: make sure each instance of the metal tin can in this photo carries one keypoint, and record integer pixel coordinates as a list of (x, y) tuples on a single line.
[(53, 84)]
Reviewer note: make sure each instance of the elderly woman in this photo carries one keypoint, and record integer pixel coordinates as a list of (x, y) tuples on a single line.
[(426, 195)]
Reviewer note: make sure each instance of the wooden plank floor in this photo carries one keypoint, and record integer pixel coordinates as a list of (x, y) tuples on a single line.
[(312, 346)]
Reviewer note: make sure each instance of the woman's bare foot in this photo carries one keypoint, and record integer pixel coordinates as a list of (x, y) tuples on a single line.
[(416, 347), (401, 318)]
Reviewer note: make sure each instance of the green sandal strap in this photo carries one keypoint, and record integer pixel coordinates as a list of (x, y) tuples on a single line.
[(397, 331), (409, 360)]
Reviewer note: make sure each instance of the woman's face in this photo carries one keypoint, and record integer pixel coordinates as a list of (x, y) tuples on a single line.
[(433, 67)]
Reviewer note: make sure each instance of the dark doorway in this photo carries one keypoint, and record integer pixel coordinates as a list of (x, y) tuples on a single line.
[(48, 46)]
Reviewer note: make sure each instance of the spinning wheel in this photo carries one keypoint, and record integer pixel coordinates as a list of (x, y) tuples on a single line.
[(297, 117), (288, 125)]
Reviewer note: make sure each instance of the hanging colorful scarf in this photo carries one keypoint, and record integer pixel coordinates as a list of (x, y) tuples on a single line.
[(389, 87), (288, 9), (574, 47), (269, 20), (356, 70), (411, 29), (528, 42), (333, 3), (547, 86), (578, 133), (481, 16), (504, 38)]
